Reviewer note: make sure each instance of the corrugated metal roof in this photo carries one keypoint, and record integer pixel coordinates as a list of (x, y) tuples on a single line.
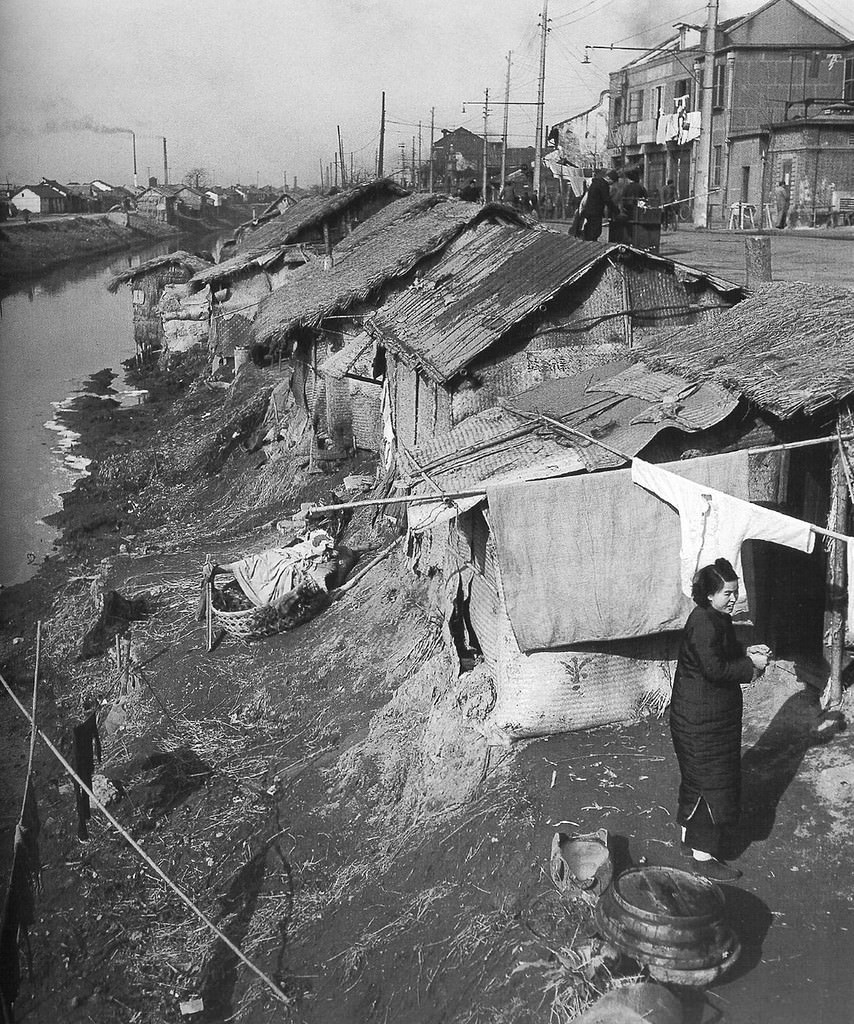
[(511, 442), (473, 296)]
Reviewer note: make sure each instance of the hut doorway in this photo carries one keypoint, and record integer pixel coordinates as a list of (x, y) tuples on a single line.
[(789, 586)]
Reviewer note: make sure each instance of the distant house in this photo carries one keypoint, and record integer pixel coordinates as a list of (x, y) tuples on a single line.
[(40, 198), (458, 157), (156, 329), (167, 203)]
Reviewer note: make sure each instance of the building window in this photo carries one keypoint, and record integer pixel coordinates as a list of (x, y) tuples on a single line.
[(618, 109), (848, 88), (658, 96), (636, 105), (683, 89), (717, 165), (719, 86)]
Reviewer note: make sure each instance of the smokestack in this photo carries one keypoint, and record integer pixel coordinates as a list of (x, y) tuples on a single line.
[(165, 164), (133, 140)]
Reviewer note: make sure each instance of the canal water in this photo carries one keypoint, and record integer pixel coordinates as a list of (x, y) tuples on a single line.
[(54, 333)]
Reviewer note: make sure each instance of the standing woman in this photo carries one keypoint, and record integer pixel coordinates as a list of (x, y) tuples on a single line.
[(705, 717)]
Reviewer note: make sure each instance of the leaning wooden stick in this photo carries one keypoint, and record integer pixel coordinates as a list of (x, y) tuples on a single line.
[(209, 601)]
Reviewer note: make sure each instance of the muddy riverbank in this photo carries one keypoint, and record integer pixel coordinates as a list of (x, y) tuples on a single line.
[(325, 795), (28, 250)]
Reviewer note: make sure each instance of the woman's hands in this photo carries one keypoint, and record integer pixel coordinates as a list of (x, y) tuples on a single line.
[(759, 655)]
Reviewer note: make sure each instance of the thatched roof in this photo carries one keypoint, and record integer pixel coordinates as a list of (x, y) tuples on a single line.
[(275, 238), (386, 246), (309, 212), (788, 347), (189, 261)]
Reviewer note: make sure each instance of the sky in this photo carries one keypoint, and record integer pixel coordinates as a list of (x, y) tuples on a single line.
[(254, 90)]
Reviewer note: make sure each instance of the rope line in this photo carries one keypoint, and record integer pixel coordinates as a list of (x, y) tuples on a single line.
[(274, 988)]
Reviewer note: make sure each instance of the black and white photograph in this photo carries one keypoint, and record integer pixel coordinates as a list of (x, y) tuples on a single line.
[(426, 512)]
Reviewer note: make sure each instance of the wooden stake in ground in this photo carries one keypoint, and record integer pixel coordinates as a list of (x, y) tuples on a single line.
[(208, 570), (836, 599), (757, 260)]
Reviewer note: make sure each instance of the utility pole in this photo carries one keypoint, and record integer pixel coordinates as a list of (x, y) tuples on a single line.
[(485, 143), (402, 147), (420, 160), (382, 141), (538, 142), (432, 130), (341, 156), (412, 165), (506, 116), (165, 164), (351, 167), (335, 157), (702, 167), (321, 173), (133, 140)]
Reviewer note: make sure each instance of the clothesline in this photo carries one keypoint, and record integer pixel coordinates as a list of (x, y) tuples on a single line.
[(451, 496), (274, 988)]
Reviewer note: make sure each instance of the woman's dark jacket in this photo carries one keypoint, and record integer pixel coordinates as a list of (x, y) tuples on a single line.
[(705, 715)]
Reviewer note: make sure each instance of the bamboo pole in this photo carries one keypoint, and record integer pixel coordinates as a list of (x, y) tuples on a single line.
[(836, 603), (480, 492)]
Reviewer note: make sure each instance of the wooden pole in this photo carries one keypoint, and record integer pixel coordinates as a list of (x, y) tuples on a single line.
[(506, 119), (757, 260), (485, 143), (541, 88), (420, 161), (836, 603), (382, 140), (341, 158), (432, 136)]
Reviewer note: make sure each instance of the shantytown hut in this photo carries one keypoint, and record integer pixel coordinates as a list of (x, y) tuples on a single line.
[(262, 257), (149, 281), (316, 319), (566, 571), (516, 308)]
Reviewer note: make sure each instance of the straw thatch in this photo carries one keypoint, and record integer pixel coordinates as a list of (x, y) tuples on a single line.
[(311, 211), (386, 246), (187, 261), (278, 237), (788, 347)]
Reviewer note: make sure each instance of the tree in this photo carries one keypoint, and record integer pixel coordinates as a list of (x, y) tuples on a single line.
[(198, 177)]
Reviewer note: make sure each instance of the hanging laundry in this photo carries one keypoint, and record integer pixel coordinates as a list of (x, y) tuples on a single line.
[(667, 129), (568, 551), (689, 128), (714, 524), (87, 750)]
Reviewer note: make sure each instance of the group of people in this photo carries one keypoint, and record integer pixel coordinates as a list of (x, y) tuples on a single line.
[(610, 193)]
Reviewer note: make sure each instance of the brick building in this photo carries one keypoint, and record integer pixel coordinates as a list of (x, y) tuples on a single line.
[(458, 157), (782, 108)]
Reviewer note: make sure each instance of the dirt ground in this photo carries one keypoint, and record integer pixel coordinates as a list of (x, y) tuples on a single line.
[(327, 798), (818, 257)]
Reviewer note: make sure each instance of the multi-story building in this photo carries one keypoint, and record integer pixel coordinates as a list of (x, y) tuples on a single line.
[(782, 108), (458, 157)]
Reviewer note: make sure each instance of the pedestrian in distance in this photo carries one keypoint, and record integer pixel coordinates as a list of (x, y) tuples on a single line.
[(670, 219), (781, 204), (595, 203), (706, 718)]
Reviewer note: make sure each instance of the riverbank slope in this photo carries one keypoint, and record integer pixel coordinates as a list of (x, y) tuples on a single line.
[(30, 249), (325, 795)]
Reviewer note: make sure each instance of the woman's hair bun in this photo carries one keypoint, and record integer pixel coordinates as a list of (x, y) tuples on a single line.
[(722, 565)]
